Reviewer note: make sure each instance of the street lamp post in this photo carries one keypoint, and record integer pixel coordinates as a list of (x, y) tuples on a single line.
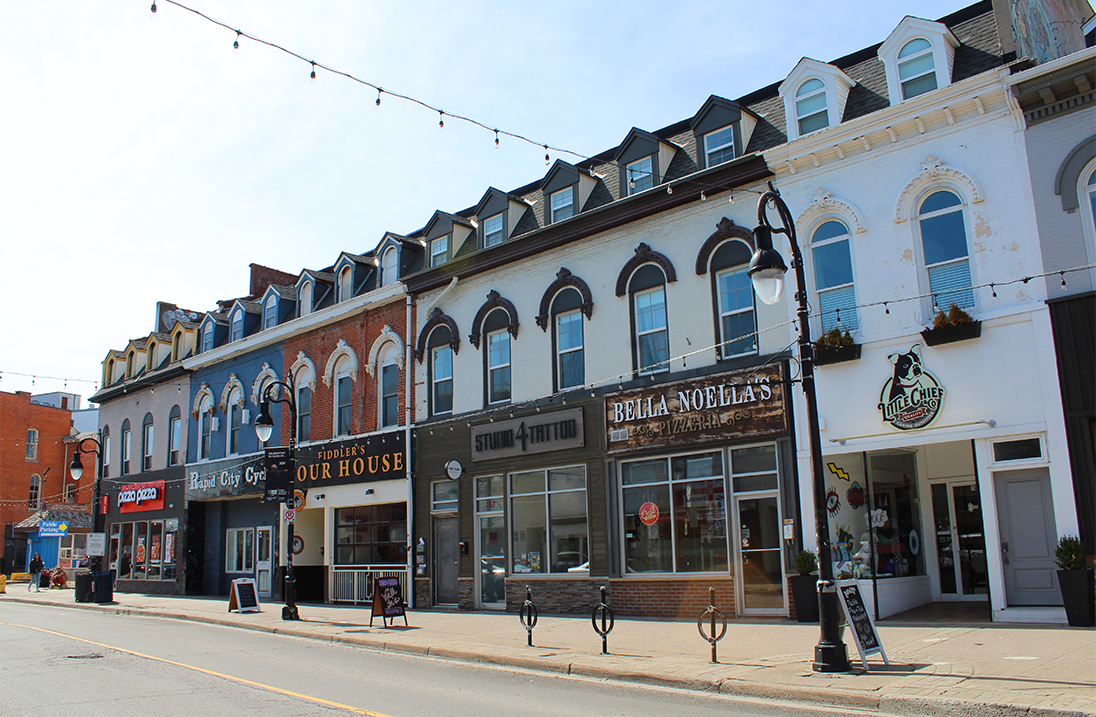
[(76, 469), (264, 428), (767, 274)]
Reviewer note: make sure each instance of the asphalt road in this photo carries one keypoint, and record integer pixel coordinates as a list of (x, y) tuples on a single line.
[(78, 662)]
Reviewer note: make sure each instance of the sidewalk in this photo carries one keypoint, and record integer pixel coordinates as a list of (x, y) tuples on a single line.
[(943, 669)]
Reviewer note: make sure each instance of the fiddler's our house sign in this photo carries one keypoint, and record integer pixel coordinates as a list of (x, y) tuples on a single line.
[(912, 397)]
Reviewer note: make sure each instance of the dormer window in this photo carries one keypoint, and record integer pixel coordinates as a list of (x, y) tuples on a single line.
[(563, 205), (810, 106), (390, 266), (270, 312), (719, 146), (346, 283), (916, 68), (207, 337), (237, 325), (306, 298), (439, 250), (494, 230), (640, 175)]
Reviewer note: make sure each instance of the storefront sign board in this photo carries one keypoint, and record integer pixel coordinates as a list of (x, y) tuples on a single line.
[(243, 597), (536, 433), (725, 406), (355, 460), (139, 497), (223, 479)]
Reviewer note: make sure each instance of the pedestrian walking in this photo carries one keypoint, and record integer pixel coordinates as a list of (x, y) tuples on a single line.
[(36, 566)]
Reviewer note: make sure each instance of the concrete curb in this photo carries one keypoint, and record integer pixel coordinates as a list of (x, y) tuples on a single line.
[(561, 663)]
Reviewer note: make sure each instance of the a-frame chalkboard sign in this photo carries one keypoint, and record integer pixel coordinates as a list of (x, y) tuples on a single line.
[(387, 601), (242, 596), (860, 622)]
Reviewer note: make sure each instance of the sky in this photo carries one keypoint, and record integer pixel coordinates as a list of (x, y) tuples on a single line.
[(142, 160)]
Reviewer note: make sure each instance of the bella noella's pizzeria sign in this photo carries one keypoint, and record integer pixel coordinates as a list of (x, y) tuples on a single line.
[(730, 405)]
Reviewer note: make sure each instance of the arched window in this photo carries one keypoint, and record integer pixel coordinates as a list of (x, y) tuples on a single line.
[(916, 68), (205, 427), (833, 277), (389, 386), (106, 452), (148, 434), (237, 325), (497, 357), (270, 312), (127, 445), (174, 435), (34, 496), (650, 330), (1087, 196), (302, 382), (810, 106), (942, 224), (390, 266), (32, 444), (305, 306), (568, 339), (176, 345), (346, 284), (343, 385), (440, 350), (734, 298), (234, 409), (207, 337)]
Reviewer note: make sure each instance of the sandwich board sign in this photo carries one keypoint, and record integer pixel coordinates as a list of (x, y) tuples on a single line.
[(860, 623), (243, 597), (387, 600)]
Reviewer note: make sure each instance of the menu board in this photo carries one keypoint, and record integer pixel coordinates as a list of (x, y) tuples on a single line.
[(860, 622), (387, 600), (243, 596)]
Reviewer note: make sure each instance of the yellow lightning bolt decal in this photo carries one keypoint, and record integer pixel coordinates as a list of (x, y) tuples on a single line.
[(837, 471)]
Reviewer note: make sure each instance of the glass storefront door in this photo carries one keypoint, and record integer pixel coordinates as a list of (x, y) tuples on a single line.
[(760, 558), (960, 541), (263, 565), (490, 543)]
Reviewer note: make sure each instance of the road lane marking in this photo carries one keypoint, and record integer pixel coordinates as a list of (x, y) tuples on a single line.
[(231, 678)]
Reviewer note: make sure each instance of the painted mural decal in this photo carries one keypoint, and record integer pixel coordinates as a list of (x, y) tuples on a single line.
[(833, 502), (911, 398), (855, 495)]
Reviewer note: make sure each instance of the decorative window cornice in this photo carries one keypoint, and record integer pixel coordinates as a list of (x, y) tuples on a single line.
[(494, 301), (437, 318), (644, 255), (564, 278), (303, 363), (724, 230), (203, 393), (267, 374), (825, 204), (934, 172), (342, 350), (388, 336), (232, 384)]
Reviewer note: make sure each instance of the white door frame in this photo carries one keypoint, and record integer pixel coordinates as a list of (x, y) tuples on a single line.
[(736, 541)]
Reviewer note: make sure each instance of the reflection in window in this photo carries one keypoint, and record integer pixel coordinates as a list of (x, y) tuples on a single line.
[(239, 550), (916, 68), (652, 337), (640, 175), (944, 245), (719, 146), (371, 534), (548, 521), (833, 276), (735, 298), (563, 206), (810, 106)]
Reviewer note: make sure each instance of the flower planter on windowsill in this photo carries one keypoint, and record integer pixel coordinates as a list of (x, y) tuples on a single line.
[(949, 334), (825, 354)]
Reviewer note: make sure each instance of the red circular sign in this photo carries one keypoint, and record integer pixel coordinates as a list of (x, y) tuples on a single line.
[(648, 513)]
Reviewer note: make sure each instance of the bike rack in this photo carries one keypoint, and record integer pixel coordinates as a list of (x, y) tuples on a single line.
[(606, 613), (712, 611), (528, 614)]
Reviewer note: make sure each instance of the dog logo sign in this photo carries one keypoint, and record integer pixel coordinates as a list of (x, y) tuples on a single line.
[(911, 398)]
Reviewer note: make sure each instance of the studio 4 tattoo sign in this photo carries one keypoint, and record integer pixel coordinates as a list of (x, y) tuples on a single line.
[(731, 405)]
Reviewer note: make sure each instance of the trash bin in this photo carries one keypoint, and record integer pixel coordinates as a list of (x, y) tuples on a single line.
[(83, 586), (102, 586)]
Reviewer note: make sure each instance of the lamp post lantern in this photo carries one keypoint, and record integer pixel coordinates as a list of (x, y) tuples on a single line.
[(76, 470), (766, 272), (264, 429)]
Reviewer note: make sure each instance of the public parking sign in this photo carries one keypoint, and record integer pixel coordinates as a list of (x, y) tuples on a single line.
[(52, 529)]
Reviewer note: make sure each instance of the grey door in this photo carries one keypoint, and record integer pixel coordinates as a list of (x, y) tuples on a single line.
[(1028, 535), (446, 560)]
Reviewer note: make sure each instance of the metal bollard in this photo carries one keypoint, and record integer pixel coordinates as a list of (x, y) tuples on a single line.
[(713, 611), (528, 614), (606, 613)]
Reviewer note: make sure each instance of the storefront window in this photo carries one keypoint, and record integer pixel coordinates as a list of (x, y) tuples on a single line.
[(240, 550), (754, 468), (142, 551), (548, 521), (445, 496), (687, 490), (371, 534), (896, 515), (73, 548)]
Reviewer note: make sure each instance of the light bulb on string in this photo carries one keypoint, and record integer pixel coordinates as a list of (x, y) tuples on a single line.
[(496, 139), (991, 288), (546, 160), (441, 120), (1063, 279), (669, 190), (703, 197), (236, 44), (379, 91), (312, 77), (153, 10), (730, 199), (886, 308)]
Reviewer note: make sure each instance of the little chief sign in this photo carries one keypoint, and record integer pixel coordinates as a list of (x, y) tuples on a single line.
[(911, 398)]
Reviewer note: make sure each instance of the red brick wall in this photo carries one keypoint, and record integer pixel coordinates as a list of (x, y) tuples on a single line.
[(264, 276), (359, 332), (17, 414)]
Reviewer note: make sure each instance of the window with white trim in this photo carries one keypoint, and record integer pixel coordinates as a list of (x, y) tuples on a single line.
[(234, 417), (737, 325), (916, 68), (390, 387), (439, 250), (942, 224), (35, 492), (562, 205), (346, 284), (304, 412), (127, 445), (441, 380), (390, 266), (494, 230), (719, 146), (1087, 198), (549, 530), (106, 452), (205, 427), (240, 550), (810, 106), (207, 337), (174, 436), (237, 325), (148, 434), (270, 312), (32, 444), (444, 496), (497, 369), (833, 277), (570, 356), (640, 174), (651, 338)]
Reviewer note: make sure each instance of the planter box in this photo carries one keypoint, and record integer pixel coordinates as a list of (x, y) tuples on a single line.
[(950, 334), (824, 354), (805, 593), (1077, 596)]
